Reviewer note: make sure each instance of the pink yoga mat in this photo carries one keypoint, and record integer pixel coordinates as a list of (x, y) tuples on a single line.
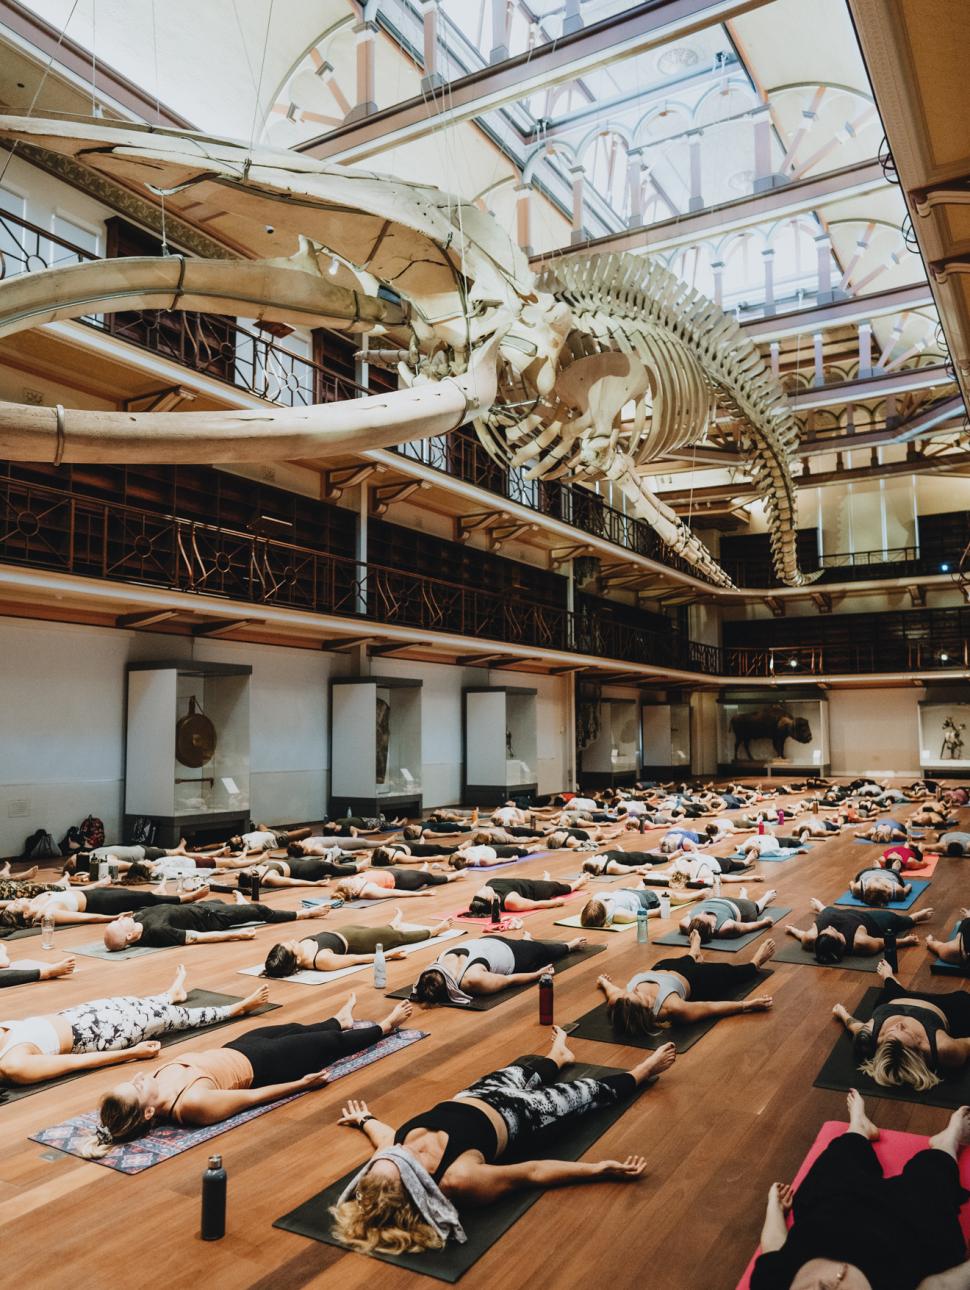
[(506, 919), (893, 1150)]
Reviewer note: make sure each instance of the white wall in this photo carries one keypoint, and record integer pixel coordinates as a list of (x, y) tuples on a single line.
[(874, 731)]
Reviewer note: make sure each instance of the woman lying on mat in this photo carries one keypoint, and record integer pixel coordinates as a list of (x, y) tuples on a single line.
[(11, 974), (767, 844), (720, 917), (953, 844), (956, 951), (519, 895), (307, 872), (485, 857), (24, 889), (407, 1197), (911, 1035), (104, 1032), (900, 857), (857, 1229), (838, 931), (391, 884), (700, 870), (431, 830), (328, 846), (348, 946), (486, 966), (928, 815), (884, 831), (569, 840), (204, 922), (390, 853), (682, 990), (622, 863), (213, 1084), (623, 906), (876, 886), (88, 905)]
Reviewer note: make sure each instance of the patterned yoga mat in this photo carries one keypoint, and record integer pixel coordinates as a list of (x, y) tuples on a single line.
[(171, 1140)]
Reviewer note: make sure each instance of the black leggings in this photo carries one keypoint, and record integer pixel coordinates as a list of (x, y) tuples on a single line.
[(416, 879), (520, 831), (119, 900), (427, 850), (18, 976), (531, 955), (279, 1054), (709, 981), (954, 1004)]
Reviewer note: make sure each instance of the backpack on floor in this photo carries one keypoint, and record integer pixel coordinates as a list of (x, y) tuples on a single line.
[(71, 841), (141, 832), (41, 846), (91, 830)]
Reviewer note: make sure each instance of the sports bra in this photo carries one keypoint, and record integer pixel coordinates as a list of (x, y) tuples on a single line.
[(468, 1129), (328, 941), (496, 956), (667, 984), (927, 1016), (224, 1067), (34, 1030)]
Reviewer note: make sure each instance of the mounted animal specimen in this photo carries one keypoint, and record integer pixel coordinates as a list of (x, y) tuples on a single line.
[(773, 722), (592, 372)]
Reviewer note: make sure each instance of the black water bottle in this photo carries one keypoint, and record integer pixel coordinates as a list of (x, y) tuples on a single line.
[(496, 910), (214, 1201), (889, 950), (254, 884)]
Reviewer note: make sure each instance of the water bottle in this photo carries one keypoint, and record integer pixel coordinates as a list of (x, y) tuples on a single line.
[(815, 806), (104, 870), (665, 904), (717, 884), (642, 933), (761, 824), (545, 1000), (889, 950), (214, 1201), (380, 968), (781, 818), (47, 931), (113, 871), (254, 884), (496, 910)]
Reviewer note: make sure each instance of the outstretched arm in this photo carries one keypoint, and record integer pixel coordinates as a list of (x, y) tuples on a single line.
[(356, 1115), (482, 1184), (852, 1025)]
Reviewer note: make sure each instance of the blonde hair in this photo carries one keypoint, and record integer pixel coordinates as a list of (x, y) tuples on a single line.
[(893, 1065), (348, 888), (380, 1219), (121, 1120)]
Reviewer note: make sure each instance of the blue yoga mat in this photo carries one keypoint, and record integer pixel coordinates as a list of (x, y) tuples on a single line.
[(785, 853), (919, 885), (939, 968)]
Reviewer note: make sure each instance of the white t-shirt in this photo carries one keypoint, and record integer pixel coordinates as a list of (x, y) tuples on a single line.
[(482, 855), (635, 807), (582, 804), (507, 815), (260, 838)]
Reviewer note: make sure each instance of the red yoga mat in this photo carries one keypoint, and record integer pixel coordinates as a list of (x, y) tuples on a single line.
[(893, 1150)]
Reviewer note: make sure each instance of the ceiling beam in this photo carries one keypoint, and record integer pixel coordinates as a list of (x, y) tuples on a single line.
[(380, 651), (339, 643), (474, 660), (795, 198), (147, 618), (224, 626), (840, 313), (877, 386), (641, 28)]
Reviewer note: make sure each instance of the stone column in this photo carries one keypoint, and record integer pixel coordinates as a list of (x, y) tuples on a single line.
[(364, 35), (432, 78)]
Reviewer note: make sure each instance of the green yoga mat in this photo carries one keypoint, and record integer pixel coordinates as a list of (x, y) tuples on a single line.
[(489, 1001), (196, 999), (597, 1026), (16, 933), (483, 1226), (841, 1071), (729, 944)]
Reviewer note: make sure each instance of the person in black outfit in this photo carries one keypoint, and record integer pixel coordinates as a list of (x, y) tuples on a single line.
[(206, 920), (518, 895), (858, 1230), (10, 974), (303, 872), (838, 931)]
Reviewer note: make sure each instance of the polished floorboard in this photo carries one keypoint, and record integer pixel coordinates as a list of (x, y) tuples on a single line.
[(735, 1113)]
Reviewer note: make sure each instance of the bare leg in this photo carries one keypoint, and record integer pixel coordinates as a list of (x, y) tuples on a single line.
[(955, 1135)]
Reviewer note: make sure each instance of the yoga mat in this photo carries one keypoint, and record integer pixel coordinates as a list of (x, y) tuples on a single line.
[(893, 1151), (489, 1001), (924, 870), (483, 1225), (574, 921), (318, 902), (309, 977), (918, 885), (840, 1071), (485, 920), (869, 842), (96, 950), (16, 933), (196, 999), (171, 1140), (937, 967), (785, 853), (730, 944), (793, 952), (597, 1026)]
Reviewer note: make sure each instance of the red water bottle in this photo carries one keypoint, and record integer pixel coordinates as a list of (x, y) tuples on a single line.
[(761, 824), (781, 818), (545, 1000)]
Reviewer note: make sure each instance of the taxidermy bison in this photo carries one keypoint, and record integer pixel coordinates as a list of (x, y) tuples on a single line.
[(775, 723)]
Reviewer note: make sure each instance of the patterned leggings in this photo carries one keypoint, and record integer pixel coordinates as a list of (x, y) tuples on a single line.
[(528, 1099), (18, 889), (108, 1025)]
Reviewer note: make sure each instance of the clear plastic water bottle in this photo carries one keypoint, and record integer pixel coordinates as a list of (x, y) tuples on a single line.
[(717, 884), (214, 1201), (665, 904), (104, 870), (380, 968), (47, 931), (643, 934)]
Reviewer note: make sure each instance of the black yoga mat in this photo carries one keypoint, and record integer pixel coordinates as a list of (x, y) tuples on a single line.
[(15, 933), (489, 1001), (596, 1025), (792, 952), (196, 999), (730, 944), (939, 968), (483, 1226), (841, 1071)]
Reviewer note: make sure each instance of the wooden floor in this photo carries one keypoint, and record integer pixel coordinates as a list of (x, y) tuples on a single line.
[(737, 1112)]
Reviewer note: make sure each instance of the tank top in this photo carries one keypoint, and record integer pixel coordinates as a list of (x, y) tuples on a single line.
[(667, 984), (468, 1129), (328, 941), (225, 1068), (848, 922), (928, 1018), (865, 878), (723, 910)]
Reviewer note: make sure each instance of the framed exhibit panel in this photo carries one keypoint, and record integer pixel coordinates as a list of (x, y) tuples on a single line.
[(944, 732), (375, 746), (762, 732), (665, 738), (612, 756), (501, 746), (187, 748)]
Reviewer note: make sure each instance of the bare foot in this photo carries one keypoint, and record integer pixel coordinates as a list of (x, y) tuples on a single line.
[(884, 970), (859, 1122), (346, 1014), (397, 918), (656, 1063), (239, 898), (577, 943), (560, 1052), (200, 893), (63, 968), (769, 896), (177, 992), (396, 1017), (956, 1134), (764, 953), (251, 1002), (438, 928)]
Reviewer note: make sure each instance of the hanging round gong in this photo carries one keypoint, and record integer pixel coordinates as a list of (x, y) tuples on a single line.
[(195, 737)]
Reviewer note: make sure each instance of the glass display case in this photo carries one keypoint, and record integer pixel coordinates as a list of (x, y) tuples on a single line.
[(501, 748), (612, 757), (767, 733), (187, 748), (665, 739), (944, 732), (375, 746)]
